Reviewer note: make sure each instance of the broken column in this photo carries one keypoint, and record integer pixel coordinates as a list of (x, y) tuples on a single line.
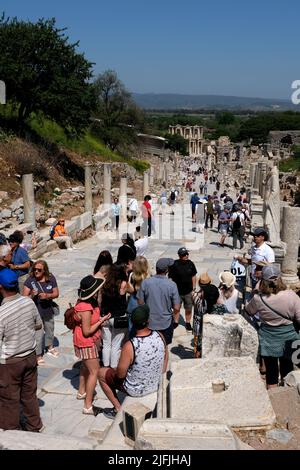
[(28, 199), (290, 235), (146, 183), (88, 198), (123, 198), (107, 185)]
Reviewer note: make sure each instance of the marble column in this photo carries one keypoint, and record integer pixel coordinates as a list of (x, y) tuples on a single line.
[(263, 177), (151, 176), (252, 173), (209, 162), (255, 188), (161, 172), (123, 198), (28, 200), (88, 197), (290, 235), (107, 185), (145, 184), (166, 174)]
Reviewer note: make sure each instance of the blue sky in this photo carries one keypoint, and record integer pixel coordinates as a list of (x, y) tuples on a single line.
[(231, 47)]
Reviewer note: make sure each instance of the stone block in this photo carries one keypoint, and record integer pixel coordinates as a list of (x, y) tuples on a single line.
[(171, 434), (20, 440), (243, 404), (280, 435), (133, 417), (293, 379), (85, 220), (228, 335)]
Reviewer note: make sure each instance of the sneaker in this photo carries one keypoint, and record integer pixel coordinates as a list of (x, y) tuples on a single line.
[(188, 327), (52, 352), (110, 413)]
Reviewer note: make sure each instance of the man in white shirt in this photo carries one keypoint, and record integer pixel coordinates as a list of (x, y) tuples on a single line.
[(141, 243), (259, 251)]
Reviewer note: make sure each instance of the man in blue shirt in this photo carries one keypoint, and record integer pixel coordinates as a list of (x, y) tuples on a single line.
[(20, 261), (162, 297)]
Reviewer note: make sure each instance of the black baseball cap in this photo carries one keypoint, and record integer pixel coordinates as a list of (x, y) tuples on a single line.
[(260, 231), (182, 251)]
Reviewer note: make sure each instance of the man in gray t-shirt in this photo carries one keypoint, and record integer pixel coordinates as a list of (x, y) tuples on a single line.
[(162, 297)]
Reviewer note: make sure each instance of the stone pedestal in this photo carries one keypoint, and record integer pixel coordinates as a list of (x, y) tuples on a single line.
[(28, 199), (107, 185), (146, 183), (290, 235), (88, 199), (123, 198), (257, 205)]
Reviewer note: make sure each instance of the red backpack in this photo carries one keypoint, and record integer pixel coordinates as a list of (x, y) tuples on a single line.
[(69, 316)]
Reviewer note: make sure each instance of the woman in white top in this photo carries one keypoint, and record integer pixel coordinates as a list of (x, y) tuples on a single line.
[(228, 293)]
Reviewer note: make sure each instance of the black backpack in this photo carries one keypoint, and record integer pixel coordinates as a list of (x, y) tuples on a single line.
[(172, 196), (236, 223)]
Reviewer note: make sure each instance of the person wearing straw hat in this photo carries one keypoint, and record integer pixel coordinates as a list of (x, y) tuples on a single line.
[(228, 293), (204, 282), (86, 339)]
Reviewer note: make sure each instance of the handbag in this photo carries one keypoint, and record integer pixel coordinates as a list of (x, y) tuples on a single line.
[(295, 323), (54, 305), (121, 322), (55, 308)]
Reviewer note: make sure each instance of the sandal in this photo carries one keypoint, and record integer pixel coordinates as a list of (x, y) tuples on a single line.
[(53, 352), (40, 361), (93, 410), (81, 396)]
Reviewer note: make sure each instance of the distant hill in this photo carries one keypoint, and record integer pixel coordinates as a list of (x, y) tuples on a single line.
[(190, 102)]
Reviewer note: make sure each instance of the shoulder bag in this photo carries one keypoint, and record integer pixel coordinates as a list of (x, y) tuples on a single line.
[(54, 305)]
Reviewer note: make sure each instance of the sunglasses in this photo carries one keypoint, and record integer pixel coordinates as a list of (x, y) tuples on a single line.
[(38, 270)]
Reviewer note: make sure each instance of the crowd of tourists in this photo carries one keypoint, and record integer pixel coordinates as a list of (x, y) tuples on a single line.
[(124, 318)]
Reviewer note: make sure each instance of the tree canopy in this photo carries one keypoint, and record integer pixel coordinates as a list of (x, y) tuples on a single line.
[(117, 118), (177, 143), (44, 73)]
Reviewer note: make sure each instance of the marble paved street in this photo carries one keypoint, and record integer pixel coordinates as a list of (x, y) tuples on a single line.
[(58, 379)]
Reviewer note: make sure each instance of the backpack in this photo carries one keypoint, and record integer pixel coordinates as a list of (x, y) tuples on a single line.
[(236, 223), (52, 231), (172, 196), (69, 319)]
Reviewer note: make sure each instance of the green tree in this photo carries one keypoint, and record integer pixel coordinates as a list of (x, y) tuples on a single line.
[(225, 118), (117, 118), (44, 73), (177, 143)]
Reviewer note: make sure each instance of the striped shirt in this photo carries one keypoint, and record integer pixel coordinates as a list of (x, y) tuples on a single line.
[(19, 319)]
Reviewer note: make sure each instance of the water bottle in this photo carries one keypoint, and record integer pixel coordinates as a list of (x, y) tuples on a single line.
[(34, 290)]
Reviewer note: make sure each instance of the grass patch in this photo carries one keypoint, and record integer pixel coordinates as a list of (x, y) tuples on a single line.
[(86, 145)]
